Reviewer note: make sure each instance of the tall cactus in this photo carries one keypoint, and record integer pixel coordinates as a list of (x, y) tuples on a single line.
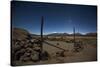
[(74, 35), (42, 24)]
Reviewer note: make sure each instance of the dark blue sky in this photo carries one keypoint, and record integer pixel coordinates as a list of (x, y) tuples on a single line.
[(57, 18)]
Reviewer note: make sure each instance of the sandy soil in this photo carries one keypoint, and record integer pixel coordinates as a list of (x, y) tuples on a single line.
[(89, 53)]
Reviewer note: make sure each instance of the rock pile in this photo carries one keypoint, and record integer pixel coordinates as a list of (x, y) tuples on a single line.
[(28, 50)]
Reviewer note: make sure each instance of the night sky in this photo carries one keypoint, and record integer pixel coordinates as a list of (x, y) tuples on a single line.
[(58, 18)]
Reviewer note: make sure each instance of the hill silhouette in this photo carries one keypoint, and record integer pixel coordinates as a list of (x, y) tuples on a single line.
[(19, 33)]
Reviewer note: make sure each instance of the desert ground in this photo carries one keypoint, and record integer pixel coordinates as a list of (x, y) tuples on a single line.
[(56, 51)]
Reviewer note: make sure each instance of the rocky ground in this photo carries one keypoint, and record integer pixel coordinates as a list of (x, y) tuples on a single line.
[(26, 53)]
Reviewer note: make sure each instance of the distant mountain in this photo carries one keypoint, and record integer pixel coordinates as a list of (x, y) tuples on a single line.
[(19, 33), (58, 34), (91, 34), (77, 34)]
